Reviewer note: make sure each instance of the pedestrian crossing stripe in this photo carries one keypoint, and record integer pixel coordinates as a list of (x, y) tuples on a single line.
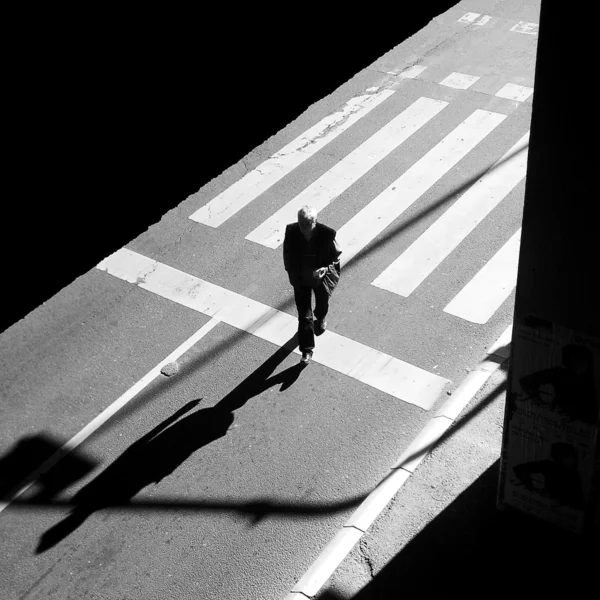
[(492, 285), (526, 27), (249, 187), (369, 222), (469, 17), (259, 180), (512, 91), (381, 371), (477, 19), (427, 252), (418, 261), (348, 170), (464, 81), (459, 81)]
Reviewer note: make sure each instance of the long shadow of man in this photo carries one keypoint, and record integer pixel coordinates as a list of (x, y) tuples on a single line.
[(158, 453)]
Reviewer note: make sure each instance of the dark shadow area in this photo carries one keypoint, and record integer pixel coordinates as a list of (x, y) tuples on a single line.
[(460, 422), (162, 450), (21, 464), (473, 550), (118, 120), (158, 453), (330, 595)]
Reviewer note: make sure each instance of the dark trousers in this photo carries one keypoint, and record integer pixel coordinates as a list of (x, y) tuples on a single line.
[(303, 297)]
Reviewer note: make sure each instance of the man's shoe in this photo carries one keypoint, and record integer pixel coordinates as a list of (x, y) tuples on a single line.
[(320, 326), (306, 356)]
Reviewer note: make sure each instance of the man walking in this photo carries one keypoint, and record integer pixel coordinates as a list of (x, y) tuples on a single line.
[(311, 256)]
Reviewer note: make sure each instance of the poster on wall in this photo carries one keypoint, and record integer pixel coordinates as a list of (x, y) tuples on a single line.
[(550, 447)]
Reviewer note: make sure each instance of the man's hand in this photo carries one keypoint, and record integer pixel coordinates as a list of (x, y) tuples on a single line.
[(319, 273)]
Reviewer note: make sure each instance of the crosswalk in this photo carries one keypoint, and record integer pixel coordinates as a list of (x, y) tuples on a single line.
[(479, 20), (481, 297), (379, 370)]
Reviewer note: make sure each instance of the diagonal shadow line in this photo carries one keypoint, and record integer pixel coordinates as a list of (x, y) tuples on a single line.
[(471, 414), (260, 507), (144, 396), (159, 452), (452, 430), (126, 482), (257, 382), (387, 238), (257, 507)]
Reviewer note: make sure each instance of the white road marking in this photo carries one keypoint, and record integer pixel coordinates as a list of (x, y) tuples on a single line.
[(525, 27), (409, 73), (500, 346), (376, 369), (485, 19), (492, 285), (257, 181), (403, 192), (459, 81), (363, 517), (108, 412), (512, 91), (469, 17), (350, 169), (425, 254)]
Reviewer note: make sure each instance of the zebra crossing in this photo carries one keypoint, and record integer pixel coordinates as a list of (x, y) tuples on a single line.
[(485, 293), (479, 20)]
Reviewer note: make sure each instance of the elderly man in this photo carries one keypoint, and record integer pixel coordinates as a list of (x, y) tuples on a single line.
[(311, 257)]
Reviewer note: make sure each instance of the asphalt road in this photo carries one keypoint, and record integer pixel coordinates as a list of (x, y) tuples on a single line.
[(225, 479)]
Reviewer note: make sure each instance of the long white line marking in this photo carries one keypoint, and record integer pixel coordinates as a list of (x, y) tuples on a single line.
[(492, 285), (253, 184), (108, 412), (399, 195), (363, 517), (351, 168), (381, 371), (424, 255)]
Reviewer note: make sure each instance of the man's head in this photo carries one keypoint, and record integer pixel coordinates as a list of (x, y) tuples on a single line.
[(307, 219)]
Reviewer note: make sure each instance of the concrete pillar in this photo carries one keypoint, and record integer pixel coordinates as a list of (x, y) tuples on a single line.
[(550, 465)]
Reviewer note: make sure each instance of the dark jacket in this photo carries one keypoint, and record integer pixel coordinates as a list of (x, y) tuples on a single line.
[(301, 257)]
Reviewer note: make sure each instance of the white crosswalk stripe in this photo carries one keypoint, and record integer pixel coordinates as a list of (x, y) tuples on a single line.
[(484, 294), (340, 177), (469, 17), (459, 81), (357, 233), (372, 367), (253, 184), (512, 91), (477, 301), (422, 257)]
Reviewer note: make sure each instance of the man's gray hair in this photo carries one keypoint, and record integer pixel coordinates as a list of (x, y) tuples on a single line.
[(308, 213)]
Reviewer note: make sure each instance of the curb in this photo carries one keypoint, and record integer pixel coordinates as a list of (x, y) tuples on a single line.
[(346, 538)]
